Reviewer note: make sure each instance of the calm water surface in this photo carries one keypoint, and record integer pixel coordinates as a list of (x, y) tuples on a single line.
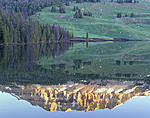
[(75, 80)]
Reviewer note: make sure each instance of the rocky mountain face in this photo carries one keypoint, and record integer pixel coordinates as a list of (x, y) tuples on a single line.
[(78, 97)]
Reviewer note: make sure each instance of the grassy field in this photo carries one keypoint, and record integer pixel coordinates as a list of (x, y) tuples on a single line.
[(104, 23)]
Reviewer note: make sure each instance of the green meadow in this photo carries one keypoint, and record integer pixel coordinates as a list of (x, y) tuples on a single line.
[(103, 23)]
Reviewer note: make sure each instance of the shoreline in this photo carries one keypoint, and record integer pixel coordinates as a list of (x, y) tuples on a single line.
[(76, 39)]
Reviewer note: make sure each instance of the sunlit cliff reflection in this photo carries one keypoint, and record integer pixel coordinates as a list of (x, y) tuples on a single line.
[(78, 97)]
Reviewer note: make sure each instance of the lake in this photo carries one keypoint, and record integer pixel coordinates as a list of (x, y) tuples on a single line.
[(102, 79)]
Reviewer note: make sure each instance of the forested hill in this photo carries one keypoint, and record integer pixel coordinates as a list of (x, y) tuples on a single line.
[(27, 7), (30, 7), (16, 26)]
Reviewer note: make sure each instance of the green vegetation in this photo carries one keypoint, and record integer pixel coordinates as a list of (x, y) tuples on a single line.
[(104, 22), (17, 28), (60, 63), (101, 58), (93, 18)]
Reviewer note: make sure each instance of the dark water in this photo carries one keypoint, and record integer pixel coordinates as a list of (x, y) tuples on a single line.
[(75, 80)]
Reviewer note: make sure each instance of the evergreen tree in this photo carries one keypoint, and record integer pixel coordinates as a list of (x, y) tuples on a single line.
[(119, 15), (126, 15), (53, 9), (62, 10), (67, 3), (78, 14), (38, 31), (132, 15)]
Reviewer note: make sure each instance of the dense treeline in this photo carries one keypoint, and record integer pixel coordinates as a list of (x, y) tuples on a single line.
[(127, 1), (30, 7), (80, 1), (16, 28), (118, 1)]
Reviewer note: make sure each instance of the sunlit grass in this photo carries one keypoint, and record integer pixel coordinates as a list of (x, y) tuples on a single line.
[(104, 23)]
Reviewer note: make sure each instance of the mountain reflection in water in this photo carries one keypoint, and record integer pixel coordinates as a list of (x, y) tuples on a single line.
[(78, 97), (59, 78)]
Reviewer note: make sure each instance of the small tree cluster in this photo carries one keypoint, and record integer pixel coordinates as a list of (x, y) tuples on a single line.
[(132, 15), (87, 13), (78, 14), (67, 3), (53, 9), (119, 15), (60, 9), (75, 8)]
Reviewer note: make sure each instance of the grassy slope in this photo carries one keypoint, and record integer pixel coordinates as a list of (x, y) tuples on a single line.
[(104, 23), (103, 55)]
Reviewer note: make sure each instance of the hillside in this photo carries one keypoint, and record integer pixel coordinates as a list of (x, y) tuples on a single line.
[(104, 22)]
